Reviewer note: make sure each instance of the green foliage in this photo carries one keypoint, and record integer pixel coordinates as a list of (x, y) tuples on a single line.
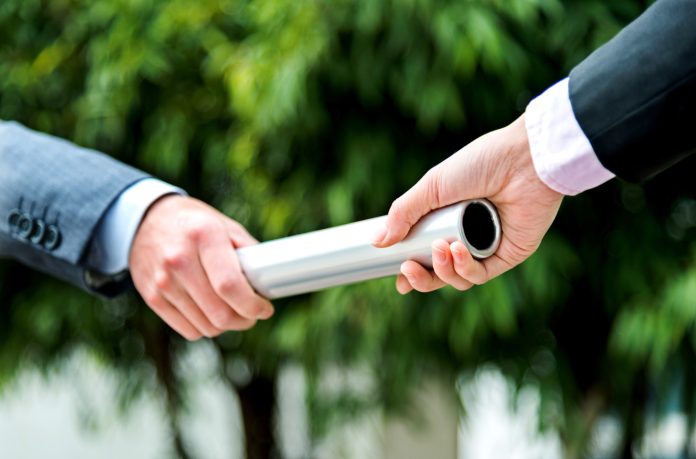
[(296, 115)]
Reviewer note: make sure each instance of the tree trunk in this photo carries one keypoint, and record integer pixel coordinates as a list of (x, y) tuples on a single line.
[(257, 400), (158, 349), (432, 430), (592, 406), (635, 418)]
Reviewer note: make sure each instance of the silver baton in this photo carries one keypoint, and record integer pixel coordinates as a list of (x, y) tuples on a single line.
[(345, 254)]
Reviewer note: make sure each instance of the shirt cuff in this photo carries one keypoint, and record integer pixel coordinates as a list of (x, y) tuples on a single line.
[(561, 152), (114, 235)]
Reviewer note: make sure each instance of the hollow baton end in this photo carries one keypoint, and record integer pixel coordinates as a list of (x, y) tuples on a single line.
[(480, 229)]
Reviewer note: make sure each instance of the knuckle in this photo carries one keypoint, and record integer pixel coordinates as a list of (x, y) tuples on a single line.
[(197, 229), (444, 264), (162, 280), (153, 299), (227, 285), (175, 259)]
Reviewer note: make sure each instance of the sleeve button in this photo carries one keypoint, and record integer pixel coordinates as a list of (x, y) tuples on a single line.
[(13, 219), (38, 233), (52, 238), (25, 225)]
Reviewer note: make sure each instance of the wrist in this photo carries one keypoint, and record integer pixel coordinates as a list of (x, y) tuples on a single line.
[(163, 204), (522, 160), (156, 212), (113, 237)]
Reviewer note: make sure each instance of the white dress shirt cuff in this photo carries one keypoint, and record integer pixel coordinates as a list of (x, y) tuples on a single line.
[(562, 155), (114, 236)]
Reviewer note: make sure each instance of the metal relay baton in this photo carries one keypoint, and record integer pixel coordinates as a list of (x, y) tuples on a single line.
[(345, 254)]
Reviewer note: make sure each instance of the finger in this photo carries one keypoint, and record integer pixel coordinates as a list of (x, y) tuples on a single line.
[(222, 268), (420, 278), (443, 265), (172, 317), (218, 312), (505, 258), (466, 265), (408, 209), (238, 234), (402, 285), (182, 301), (189, 273)]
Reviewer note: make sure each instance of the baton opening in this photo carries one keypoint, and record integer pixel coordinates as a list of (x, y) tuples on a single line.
[(479, 227)]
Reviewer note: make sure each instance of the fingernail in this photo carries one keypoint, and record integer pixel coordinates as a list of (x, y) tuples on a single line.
[(380, 236), (456, 250), (406, 274), (266, 314), (439, 256)]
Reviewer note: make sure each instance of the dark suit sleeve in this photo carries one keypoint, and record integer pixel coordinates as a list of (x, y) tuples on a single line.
[(635, 97), (52, 195)]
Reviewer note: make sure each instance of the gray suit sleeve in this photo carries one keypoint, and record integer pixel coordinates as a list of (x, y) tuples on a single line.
[(635, 97), (52, 196)]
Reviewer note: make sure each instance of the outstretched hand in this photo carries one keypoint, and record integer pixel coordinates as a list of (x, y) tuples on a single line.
[(497, 166), (184, 265)]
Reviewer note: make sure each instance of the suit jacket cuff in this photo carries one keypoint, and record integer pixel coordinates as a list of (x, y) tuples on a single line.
[(562, 154), (114, 235)]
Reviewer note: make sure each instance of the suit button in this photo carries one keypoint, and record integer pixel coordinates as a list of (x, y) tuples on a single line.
[(25, 225), (13, 219), (52, 237), (38, 233)]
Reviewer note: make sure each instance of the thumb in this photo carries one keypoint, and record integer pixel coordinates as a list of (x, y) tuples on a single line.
[(405, 211)]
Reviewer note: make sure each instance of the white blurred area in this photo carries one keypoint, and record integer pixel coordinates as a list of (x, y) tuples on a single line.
[(493, 429), (73, 414)]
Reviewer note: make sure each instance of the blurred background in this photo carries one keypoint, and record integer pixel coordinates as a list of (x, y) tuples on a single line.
[(294, 115)]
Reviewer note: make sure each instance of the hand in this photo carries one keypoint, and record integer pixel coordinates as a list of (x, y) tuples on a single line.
[(184, 266), (497, 166)]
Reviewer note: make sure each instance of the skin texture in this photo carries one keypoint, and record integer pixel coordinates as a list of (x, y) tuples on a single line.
[(184, 265), (497, 166)]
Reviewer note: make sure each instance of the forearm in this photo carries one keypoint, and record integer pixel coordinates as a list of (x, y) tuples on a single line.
[(81, 216), (635, 96), (53, 194)]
